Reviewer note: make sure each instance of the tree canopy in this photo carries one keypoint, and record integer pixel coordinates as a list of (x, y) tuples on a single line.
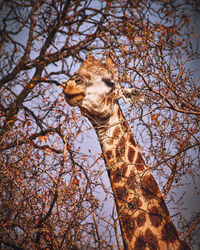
[(54, 190)]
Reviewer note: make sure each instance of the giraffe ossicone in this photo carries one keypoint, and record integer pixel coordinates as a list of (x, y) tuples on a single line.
[(143, 216)]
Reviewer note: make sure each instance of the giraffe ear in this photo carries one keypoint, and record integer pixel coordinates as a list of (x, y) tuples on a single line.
[(130, 96), (109, 62), (111, 66)]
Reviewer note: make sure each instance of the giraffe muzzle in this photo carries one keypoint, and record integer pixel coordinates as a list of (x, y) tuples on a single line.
[(74, 93)]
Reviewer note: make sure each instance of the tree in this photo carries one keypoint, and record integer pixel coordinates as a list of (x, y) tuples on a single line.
[(49, 185)]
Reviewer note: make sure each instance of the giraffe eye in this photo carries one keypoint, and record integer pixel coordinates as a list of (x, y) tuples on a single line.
[(108, 83), (78, 80)]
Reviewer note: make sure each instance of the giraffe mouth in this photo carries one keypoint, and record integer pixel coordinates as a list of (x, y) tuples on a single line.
[(72, 96), (74, 99), (74, 93)]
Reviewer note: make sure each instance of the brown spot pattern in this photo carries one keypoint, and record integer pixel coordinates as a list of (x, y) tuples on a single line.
[(108, 155), (124, 168), (169, 233), (131, 180), (116, 174), (131, 140), (155, 216), (151, 240), (135, 203), (116, 132), (129, 226), (141, 218), (125, 125), (140, 243), (119, 173), (131, 153), (121, 193), (149, 187), (119, 113), (120, 149), (139, 164), (164, 208)]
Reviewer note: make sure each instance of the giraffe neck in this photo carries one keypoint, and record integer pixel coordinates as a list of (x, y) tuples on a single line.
[(144, 218)]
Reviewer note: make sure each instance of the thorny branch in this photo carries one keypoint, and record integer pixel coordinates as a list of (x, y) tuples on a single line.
[(53, 182)]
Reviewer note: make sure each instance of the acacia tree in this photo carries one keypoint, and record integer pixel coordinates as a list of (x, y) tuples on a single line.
[(49, 185)]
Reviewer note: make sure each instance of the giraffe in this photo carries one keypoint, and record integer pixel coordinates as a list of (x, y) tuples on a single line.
[(143, 216)]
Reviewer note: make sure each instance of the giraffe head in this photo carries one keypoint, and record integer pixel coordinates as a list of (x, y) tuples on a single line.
[(94, 90)]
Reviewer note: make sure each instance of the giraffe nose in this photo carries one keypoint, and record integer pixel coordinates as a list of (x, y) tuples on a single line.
[(74, 93), (69, 87)]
